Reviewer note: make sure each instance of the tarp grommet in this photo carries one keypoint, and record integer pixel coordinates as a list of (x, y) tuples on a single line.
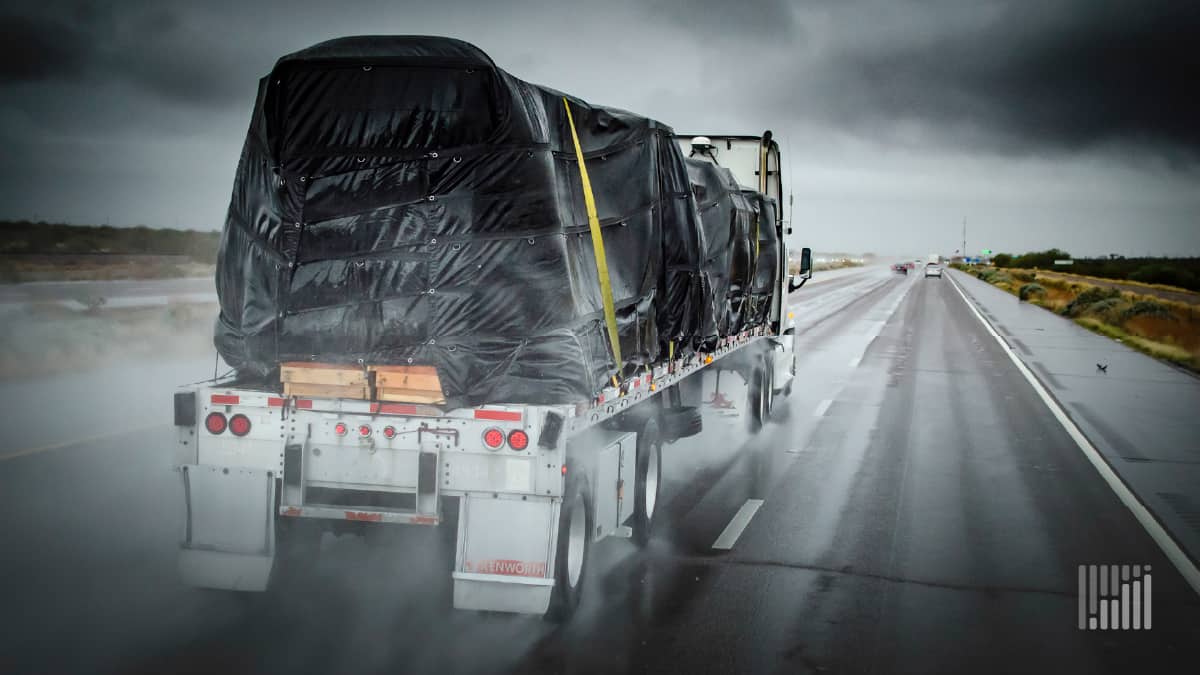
[(456, 159)]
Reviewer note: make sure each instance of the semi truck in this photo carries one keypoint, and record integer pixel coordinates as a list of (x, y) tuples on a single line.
[(521, 492)]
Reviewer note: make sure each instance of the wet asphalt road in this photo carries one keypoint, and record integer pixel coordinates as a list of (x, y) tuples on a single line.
[(922, 512)]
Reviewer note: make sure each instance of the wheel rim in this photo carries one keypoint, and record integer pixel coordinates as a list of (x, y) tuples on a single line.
[(576, 541), (651, 491)]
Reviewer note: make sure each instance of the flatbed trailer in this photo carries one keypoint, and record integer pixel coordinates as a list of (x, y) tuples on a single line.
[(535, 486), (521, 492)]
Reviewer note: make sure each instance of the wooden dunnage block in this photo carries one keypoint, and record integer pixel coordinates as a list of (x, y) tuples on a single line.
[(325, 380), (408, 384)]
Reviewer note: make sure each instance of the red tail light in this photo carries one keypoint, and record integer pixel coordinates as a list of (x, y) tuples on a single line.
[(215, 423), (340, 428), (239, 425), (518, 440), (493, 438), (389, 432), (364, 430)]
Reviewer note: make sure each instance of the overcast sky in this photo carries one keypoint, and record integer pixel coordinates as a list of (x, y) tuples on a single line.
[(1068, 123)]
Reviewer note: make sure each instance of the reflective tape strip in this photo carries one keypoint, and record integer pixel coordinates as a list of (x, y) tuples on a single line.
[(610, 312), (498, 415)]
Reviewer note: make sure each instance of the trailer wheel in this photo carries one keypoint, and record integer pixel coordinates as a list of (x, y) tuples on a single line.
[(768, 388), (647, 484), (297, 547), (756, 400), (574, 546)]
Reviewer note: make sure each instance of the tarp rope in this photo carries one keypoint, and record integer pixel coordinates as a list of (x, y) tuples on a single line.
[(610, 312)]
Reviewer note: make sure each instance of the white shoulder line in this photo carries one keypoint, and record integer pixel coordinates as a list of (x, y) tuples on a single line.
[(1147, 520)]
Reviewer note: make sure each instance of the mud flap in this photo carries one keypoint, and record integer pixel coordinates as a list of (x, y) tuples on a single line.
[(229, 527), (505, 557)]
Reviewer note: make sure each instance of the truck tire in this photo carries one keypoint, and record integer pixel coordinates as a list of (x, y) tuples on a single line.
[(297, 547), (756, 400), (647, 483), (574, 545), (681, 422), (768, 388)]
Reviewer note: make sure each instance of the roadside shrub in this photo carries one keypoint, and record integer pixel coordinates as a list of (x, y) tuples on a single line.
[(1109, 310), (1088, 297), (1164, 274), (1148, 308), (1030, 290), (1023, 276)]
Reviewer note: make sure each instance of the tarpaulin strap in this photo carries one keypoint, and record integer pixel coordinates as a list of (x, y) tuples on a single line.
[(610, 313)]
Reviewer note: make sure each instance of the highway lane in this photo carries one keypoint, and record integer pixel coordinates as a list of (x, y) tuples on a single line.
[(921, 512)]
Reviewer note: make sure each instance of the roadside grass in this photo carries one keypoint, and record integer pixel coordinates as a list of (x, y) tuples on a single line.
[(1164, 329), (794, 266), (1159, 350), (15, 270)]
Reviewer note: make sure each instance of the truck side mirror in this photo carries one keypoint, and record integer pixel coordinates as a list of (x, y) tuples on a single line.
[(806, 263), (805, 270)]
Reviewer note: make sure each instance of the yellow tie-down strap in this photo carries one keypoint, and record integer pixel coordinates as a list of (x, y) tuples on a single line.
[(610, 312)]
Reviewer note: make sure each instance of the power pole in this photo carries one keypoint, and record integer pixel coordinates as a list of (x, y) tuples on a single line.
[(964, 249)]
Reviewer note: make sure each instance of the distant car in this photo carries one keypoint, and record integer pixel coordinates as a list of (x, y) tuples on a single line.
[(900, 267), (933, 270)]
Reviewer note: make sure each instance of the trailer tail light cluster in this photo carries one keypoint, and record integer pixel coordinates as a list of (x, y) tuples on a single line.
[(215, 423), (389, 432), (340, 428), (493, 439), (364, 431)]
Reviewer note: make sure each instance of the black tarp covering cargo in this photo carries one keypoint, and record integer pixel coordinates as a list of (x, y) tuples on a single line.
[(402, 200), (728, 219), (766, 265)]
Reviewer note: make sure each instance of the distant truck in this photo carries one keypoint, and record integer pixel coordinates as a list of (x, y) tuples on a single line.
[(933, 268), (522, 490)]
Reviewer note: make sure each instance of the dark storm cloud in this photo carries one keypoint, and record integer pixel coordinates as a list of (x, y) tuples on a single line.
[(723, 20), (1065, 76), (891, 110), (149, 46)]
